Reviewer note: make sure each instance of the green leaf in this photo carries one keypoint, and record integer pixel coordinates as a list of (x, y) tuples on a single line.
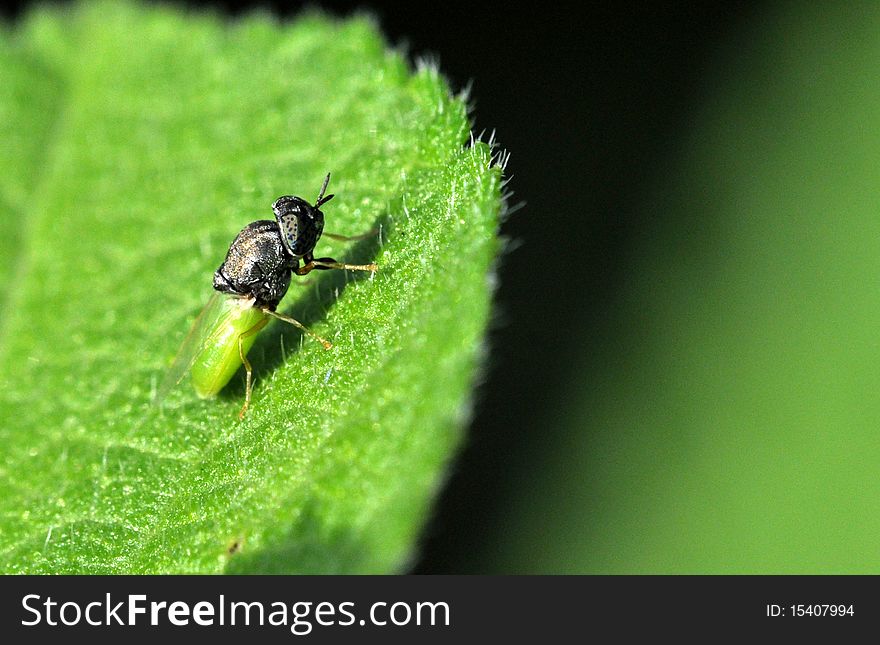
[(136, 142)]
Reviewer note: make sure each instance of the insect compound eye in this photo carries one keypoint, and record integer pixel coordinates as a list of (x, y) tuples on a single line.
[(297, 222), (289, 211)]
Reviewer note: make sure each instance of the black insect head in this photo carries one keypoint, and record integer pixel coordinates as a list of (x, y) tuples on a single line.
[(301, 223)]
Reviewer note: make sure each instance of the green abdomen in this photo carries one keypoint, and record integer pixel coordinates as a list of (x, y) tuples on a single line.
[(219, 359)]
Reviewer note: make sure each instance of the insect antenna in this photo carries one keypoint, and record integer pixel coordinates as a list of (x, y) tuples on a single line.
[(321, 199)]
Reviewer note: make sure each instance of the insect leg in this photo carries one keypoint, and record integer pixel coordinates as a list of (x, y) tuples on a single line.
[(322, 264), (351, 238), (326, 343), (247, 365)]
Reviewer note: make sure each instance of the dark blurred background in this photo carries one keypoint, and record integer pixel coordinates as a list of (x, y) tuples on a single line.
[(588, 101)]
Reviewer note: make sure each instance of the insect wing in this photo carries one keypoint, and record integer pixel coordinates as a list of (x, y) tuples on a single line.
[(208, 323)]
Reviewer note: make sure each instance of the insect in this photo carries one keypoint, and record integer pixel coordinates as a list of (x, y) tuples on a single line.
[(249, 285)]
